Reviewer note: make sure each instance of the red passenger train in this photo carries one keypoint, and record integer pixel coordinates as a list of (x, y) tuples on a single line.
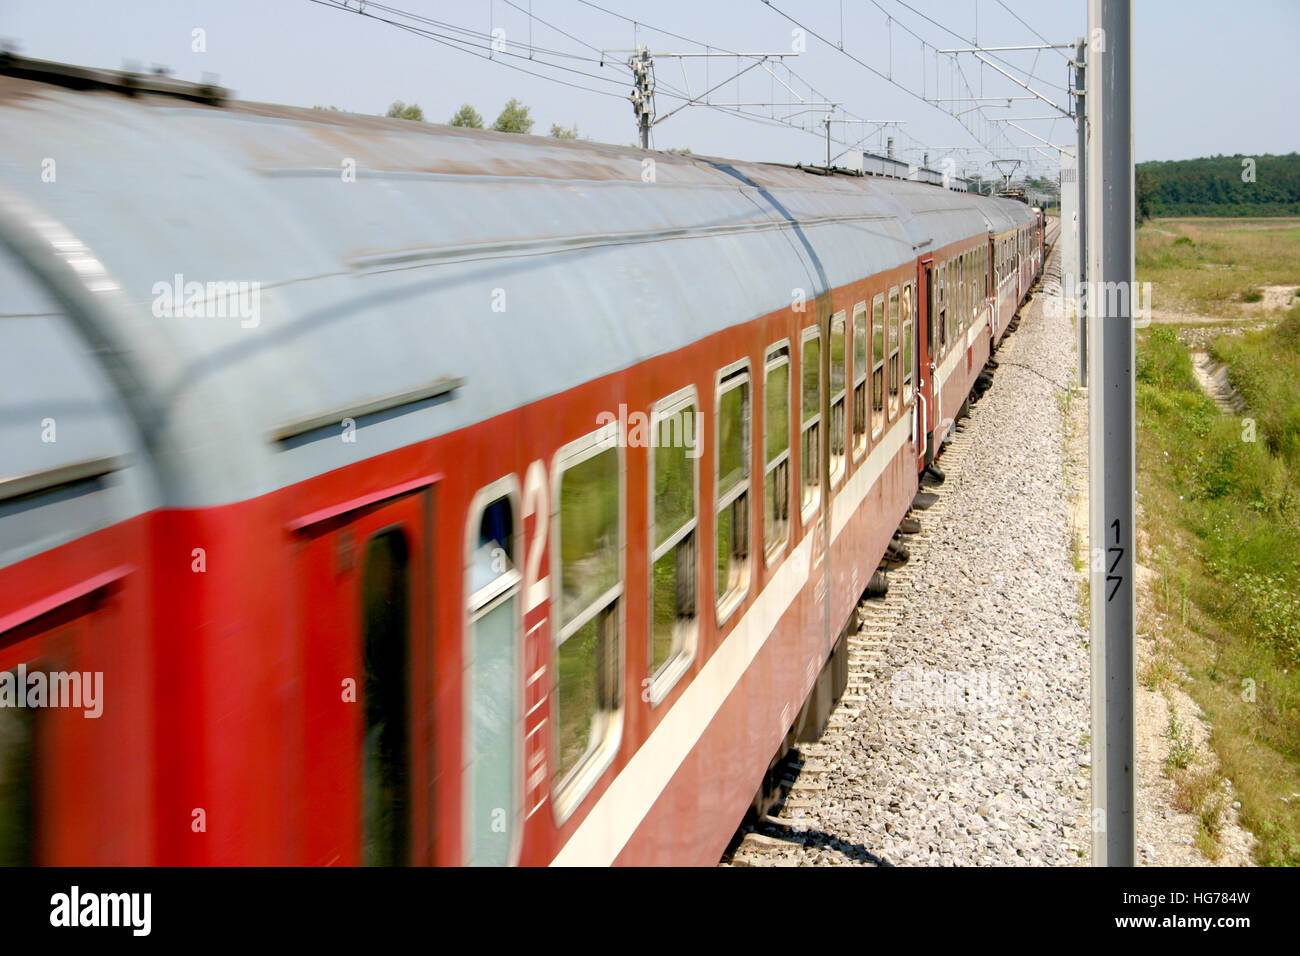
[(506, 501)]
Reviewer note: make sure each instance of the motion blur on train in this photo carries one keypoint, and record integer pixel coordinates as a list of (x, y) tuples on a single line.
[(385, 493)]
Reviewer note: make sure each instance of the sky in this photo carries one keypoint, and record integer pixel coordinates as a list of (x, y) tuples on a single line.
[(1209, 77)]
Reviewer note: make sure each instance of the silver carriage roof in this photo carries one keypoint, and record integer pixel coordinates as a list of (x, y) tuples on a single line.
[(374, 290)]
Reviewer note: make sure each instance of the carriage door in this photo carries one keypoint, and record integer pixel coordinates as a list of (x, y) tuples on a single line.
[(926, 352), (363, 578)]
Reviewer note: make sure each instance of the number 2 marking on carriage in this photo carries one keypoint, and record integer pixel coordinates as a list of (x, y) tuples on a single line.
[(536, 502)]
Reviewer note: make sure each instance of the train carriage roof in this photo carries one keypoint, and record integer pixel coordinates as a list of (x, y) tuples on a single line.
[(384, 283)]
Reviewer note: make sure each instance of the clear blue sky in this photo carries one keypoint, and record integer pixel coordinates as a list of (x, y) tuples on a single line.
[(1210, 77)]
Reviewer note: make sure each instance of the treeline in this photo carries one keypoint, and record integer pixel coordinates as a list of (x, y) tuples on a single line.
[(1220, 186)]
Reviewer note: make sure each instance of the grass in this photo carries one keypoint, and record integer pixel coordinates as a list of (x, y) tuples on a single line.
[(1210, 266), (1182, 747), (1226, 513), (1221, 509)]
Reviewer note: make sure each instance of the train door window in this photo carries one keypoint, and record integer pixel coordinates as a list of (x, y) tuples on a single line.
[(909, 300), (587, 550), (877, 366), (894, 376), (385, 790), (776, 453), (17, 783), (860, 372), (839, 425), (810, 417), (674, 568), (492, 677), (731, 515)]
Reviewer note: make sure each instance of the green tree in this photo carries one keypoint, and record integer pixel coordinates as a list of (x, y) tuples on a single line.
[(560, 132), (410, 111), (467, 116), (513, 119), (1146, 187)]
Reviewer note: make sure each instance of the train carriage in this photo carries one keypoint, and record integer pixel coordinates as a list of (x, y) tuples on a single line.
[(427, 495)]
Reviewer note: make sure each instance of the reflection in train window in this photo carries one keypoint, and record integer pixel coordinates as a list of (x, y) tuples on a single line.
[(589, 553), (838, 427), (859, 379), (810, 405), (776, 456), (878, 342), (385, 789), (732, 491), (492, 680), (893, 354), (908, 301), (674, 480)]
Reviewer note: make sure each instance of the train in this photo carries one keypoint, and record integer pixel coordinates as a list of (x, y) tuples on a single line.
[(375, 492)]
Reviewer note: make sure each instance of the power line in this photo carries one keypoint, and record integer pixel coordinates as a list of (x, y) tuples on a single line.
[(465, 46), (1004, 6)]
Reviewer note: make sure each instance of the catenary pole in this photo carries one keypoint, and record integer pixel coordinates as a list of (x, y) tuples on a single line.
[(1081, 202), (1110, 426)]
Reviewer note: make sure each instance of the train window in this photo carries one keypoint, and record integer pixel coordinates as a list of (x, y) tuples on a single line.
[(732, 491), (963, 293), (17, 785), (810, 405), (674, 569), (949, 306), (941, 311), (954, 307), (492, 688), (839, 426), (971, 297), (908, 299), (894, 376), (860, 371), (776, 454), (588, 552), (385, 788), (877, 366)]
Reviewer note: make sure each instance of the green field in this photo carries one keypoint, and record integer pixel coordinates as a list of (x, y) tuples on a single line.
[(1220, 502), (1217, 267)]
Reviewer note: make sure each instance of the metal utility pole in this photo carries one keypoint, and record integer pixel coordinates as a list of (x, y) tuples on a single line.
[(1006, 177), (1081, 174), (1110, 427), (643, 91), (641, 63)]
